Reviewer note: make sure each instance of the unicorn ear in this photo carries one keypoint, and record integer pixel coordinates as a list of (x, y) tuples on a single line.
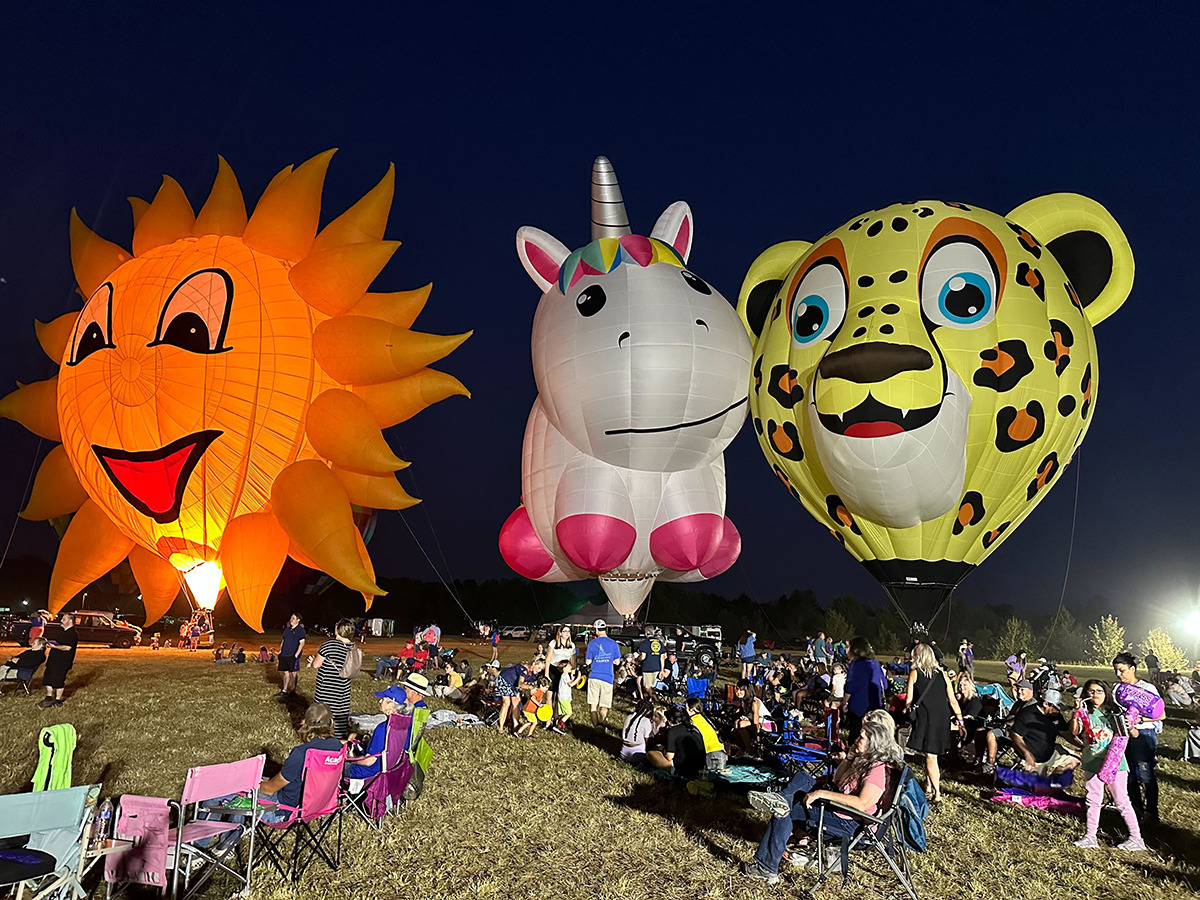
[(541, 254), (674, 227)]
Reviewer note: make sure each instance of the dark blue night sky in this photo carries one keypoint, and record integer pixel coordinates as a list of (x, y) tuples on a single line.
[(771, 126)]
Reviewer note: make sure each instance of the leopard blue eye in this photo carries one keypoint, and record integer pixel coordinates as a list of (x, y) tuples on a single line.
[(818, 304), (958, 284)]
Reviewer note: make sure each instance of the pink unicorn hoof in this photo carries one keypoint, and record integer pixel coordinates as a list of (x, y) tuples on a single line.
[(595, 543), (520, 547), (727, 553), (688, 542)]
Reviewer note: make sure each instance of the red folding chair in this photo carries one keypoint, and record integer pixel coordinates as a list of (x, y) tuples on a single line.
[(369, 797), (320, 809), (193, 839)]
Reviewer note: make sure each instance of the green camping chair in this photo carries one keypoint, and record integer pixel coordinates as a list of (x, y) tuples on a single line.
[(56, 754)]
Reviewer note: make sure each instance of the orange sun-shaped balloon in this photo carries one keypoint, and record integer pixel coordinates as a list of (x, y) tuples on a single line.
[(223, 393)]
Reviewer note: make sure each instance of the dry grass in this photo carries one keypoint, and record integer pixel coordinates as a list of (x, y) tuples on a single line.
[(555, 817)]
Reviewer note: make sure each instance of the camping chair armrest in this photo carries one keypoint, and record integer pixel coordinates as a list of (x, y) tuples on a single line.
[(850, 811)]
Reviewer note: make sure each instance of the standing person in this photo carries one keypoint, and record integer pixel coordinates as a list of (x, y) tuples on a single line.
[(865, 684), (745, 649), (1094, 724), (290, 648), (969, 659), (1151, 665), (562, 694), (1016, 667), (332, 689), (820, 649), (653, 654), (1143, 743), (602, 652), (59, 661), (510, 681), (37, 624), (495, 643), (929, 700), (562, 649)]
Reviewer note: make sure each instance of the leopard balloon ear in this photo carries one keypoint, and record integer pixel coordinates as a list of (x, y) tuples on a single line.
[(763, 281), (1089, 245)]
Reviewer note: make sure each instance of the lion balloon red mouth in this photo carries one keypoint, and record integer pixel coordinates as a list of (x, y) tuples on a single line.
[(872, 419), (153, 481)]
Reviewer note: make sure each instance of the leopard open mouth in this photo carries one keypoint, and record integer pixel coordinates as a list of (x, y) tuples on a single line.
[(872, 419)]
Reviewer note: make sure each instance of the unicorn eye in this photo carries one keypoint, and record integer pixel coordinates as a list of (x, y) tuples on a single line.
[(695, 283), (958, 284), (591, 300)]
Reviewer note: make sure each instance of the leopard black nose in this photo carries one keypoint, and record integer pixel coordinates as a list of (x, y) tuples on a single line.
[(874, 361)]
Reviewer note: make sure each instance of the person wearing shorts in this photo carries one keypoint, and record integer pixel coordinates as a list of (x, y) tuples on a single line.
[(602, 652), (290, 649)]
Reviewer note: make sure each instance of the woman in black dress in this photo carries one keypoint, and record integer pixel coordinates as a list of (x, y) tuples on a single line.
[(60, 658), (930, 699), (332, 688)]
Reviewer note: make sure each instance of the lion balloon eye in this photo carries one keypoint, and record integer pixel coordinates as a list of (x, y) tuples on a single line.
[(93, 330), (958, 284), (196, 315), (695, 283), (818, 304), (591, 300)]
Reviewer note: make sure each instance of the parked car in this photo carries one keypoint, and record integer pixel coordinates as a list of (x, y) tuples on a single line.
[(689, 642), (516, 632), (92, 626)]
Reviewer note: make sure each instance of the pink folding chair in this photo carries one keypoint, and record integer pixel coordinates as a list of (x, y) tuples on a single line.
[(320, 808), (369, 797), (203, 785), (147, 822)]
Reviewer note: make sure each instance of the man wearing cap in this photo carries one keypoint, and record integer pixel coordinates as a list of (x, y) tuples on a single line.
[(391, 701), (991, 736), (1034, 732), (653, 655), (602, 652)]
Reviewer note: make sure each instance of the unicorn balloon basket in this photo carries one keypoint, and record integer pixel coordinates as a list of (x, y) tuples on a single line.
[(642, 370)]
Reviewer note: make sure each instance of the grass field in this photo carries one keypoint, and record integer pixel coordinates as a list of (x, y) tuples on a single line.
[(557, 817)]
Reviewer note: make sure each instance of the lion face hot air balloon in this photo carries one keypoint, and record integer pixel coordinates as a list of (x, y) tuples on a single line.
[(923, 373), (222, 393)]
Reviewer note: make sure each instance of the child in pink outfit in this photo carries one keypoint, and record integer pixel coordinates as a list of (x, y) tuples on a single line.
[(1093, 725)]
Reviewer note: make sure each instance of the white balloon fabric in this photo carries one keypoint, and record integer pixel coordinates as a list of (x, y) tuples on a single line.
[(642, 371)]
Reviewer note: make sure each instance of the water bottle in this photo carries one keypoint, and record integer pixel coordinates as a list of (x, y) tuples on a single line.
[(102, 825)]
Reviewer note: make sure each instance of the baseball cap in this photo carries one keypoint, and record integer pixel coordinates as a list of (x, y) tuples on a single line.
[(1041, 659), (600, 625), (1025, 683), (1054, 697), (392, 692)]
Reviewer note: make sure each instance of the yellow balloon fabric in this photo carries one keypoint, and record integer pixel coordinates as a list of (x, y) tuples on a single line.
[(198, 419), (923, 373)]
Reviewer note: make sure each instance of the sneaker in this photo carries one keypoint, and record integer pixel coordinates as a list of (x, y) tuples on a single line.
[(58, 703), (989, 769), (46, 703), (769, 801), (1133, 846), (1087, 843), (755, 869)]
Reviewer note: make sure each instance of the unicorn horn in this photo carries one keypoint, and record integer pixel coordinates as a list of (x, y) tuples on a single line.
[(609, 218)]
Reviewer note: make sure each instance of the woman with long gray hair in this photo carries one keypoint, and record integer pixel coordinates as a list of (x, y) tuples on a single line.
[(861, 782)]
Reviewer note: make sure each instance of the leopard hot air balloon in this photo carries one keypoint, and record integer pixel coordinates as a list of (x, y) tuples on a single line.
[(923, 373), (222, 393)]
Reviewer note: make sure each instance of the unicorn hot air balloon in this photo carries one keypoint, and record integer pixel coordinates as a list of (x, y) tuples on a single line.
[(923, 373), (642, 370)]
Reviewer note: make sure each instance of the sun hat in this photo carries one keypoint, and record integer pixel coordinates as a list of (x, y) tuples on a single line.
[(392, 692), (417, 682)]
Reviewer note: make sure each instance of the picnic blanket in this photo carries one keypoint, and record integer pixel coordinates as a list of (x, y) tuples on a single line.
[(449, 718)]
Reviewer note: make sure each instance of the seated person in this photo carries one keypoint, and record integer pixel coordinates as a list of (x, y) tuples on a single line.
[(284, 789), (683, 748), (716, 759), (366, 763), (452, 689), (221, 654), (22, 666), (1034, 732), (636, 730), (987, 740), (860, 781), (972, 708)]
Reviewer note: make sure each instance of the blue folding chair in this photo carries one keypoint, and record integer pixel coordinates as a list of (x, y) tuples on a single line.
[(53, 861)]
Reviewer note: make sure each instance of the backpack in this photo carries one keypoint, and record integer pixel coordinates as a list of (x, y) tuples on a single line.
[(914, 806), (353, 664)]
